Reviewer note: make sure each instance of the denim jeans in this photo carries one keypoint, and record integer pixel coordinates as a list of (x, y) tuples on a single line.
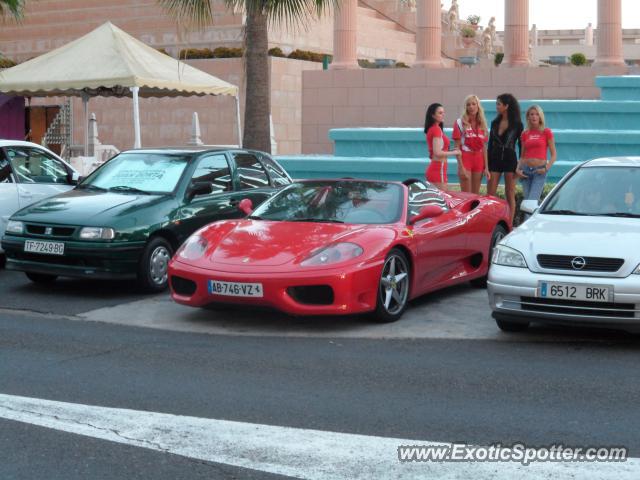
[(534, 183)]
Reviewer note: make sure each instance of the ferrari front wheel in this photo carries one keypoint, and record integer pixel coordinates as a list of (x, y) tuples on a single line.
[(393, 287)]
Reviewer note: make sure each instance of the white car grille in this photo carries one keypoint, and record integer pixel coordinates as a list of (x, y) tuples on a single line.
[(578, 263)]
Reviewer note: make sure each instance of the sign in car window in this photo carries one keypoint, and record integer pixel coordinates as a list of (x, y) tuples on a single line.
[(142, 171)]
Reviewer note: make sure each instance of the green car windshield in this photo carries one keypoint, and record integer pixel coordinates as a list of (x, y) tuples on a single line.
[(335, 202), (138, 172)]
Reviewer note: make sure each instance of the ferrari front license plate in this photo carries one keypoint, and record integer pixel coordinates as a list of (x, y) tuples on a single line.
[(47, 248), (571, 291), (233, 289)]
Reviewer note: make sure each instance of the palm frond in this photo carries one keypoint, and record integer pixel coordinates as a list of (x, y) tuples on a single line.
[(289, 13), (189, 12), (13, 8)]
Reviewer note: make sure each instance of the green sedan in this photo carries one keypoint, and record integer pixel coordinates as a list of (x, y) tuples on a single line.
[(129, 216)]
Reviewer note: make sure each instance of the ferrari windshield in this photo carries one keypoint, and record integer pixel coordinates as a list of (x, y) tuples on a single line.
[(138, 172), (598, 191), (340, 201)]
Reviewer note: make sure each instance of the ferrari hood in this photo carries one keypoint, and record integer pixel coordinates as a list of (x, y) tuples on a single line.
[(263, 243)]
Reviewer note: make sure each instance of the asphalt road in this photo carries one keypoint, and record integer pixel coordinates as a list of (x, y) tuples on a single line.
[(65, 296), (560, 388)]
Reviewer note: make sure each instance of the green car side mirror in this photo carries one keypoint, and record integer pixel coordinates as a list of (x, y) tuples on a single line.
[(198, 188)]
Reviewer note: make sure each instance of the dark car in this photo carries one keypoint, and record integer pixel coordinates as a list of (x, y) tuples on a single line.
[(128, 217)]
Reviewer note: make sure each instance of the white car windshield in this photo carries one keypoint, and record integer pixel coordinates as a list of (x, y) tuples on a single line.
[(598, 191), (138, 172)]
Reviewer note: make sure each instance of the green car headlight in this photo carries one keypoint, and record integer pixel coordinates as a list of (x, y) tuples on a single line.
[(97, 233), (14, 226)]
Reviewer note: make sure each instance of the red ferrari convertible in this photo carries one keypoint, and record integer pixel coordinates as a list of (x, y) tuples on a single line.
[(336, 247)]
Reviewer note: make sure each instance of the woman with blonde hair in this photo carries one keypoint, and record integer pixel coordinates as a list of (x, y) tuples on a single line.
[(533, 166), (471, 135)]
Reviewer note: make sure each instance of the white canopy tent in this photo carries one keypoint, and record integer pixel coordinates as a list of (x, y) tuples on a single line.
[(110, 62)]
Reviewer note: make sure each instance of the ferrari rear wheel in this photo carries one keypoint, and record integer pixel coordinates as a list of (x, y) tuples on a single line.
[(498, 234), (393, 287)]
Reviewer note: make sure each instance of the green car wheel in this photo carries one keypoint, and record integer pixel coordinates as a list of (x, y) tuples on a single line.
[(41, 277), (154, 264)]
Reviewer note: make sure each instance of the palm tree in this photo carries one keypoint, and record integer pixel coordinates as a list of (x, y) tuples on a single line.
[(260, 13), (13, 8)]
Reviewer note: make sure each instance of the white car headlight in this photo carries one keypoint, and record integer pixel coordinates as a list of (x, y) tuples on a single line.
[(14, 226), (338, 252), (97, 233), (509, 257), (637, 270)]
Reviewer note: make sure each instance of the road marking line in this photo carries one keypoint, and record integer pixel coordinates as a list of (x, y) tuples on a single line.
[(296, 452)]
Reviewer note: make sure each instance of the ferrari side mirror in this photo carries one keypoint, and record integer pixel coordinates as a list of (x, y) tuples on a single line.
[(246, 206)]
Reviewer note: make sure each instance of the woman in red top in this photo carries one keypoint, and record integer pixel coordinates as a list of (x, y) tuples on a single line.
[(438, 144), (533, 166), (471, 135)]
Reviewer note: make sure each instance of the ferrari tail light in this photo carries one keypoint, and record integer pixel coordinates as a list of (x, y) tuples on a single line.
[(339, 252), (193, 248)]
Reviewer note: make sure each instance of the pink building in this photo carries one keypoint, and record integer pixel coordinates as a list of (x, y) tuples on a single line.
[(304, 107)]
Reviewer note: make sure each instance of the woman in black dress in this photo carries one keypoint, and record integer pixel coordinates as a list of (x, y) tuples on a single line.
[(505, 133)]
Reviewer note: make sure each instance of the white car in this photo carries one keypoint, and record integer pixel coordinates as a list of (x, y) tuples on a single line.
[(29, 173), (577, 259)]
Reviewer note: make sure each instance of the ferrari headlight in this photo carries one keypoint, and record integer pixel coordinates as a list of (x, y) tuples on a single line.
[(509, 257), (14, 226), (97, 233), (193, 248), (338, 252)]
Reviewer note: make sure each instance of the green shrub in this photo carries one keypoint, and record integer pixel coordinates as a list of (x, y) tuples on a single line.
[(473, 19), (194, 53), (578, 59), (6, 63), (498, 58), (519, 216), (219, 52), (364, 63), (307, 55), (226, 52), (276, 52), (401, 65), (162, 50), (468, 32)]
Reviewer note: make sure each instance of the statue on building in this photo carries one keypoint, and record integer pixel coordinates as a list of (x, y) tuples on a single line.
[(492, 29), (453, 16), (410, 4), (487, 42)]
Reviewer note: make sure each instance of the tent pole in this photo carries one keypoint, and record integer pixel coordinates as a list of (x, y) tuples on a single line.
[(238, 118), (136, 118), (85, 104)]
